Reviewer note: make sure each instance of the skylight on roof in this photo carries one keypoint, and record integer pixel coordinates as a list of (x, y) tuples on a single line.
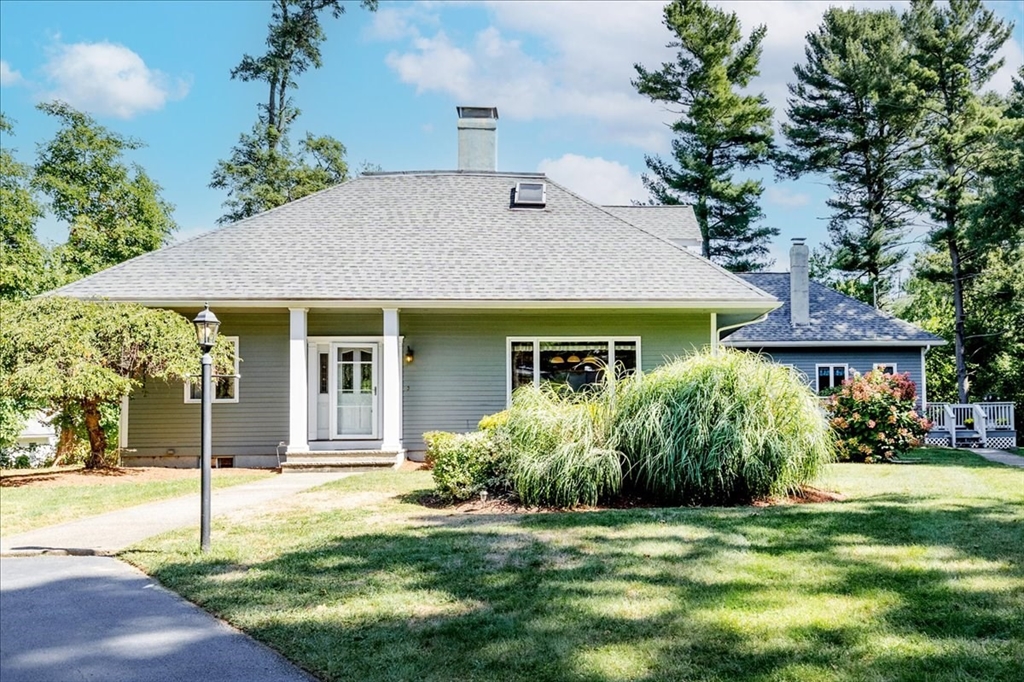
[(530, 194)]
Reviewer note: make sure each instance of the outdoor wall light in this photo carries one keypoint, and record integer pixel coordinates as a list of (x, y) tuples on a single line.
[(410, 355)]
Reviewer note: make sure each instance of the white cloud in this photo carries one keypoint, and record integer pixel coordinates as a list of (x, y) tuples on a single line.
[(595, 179), (108, 79), (8, 76), (785, 197)]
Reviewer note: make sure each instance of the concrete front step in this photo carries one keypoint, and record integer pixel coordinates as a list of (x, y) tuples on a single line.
[(339, 460)]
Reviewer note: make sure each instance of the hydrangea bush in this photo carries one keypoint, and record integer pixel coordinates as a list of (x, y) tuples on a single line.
[(875, 419)]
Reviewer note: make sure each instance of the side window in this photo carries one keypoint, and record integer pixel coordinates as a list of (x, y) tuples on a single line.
[(225, 389), (886, 367), (830, 377)]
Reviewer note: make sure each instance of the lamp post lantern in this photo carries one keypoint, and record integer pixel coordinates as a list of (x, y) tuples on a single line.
[(206, 332)]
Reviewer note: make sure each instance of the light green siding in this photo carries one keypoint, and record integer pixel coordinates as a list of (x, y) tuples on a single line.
[(458, 376), (159, 419), (460, 367)]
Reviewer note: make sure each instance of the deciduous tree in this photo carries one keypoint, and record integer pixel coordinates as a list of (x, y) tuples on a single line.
[(722, 129), (78, 358), (22, 257), (113, 209)]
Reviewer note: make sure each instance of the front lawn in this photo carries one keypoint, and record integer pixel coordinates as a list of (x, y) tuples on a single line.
[(918, 576), (48, 497)]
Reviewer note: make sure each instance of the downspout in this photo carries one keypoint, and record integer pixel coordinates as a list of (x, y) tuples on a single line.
[(730, 327)]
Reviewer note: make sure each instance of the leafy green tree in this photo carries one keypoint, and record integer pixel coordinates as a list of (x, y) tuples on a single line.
[(263, 170), (22, 257), (1000, 211), (954, 56), (113, 210), (78, 358), (721, 130), (854, 114)]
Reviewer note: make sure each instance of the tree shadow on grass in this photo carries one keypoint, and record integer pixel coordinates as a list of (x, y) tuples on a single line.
[(894, 588)]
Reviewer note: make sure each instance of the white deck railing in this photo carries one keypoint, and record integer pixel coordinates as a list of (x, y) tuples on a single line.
[(983, 417)]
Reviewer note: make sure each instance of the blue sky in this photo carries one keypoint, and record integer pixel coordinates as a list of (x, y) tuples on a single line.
[(558, 72)]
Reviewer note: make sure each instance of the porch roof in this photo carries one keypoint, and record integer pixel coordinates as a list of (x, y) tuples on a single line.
[(430, 237)]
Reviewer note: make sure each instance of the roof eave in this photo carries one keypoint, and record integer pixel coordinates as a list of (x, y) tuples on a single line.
[(839, 342)]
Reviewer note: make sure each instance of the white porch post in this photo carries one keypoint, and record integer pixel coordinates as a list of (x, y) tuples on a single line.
[(122, 428), (714, 333), (298, 377), (392, 382)]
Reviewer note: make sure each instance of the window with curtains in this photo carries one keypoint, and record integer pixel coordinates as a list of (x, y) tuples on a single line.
[(571, 362)]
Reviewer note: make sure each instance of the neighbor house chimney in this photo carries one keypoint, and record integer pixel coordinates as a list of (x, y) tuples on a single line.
[(799, 286), (478, 138)]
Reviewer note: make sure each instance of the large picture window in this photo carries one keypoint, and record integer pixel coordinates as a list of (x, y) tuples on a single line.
[(225, 388), (576, 363)]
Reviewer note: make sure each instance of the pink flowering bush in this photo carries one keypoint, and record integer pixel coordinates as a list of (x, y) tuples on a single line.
[(874, 418)]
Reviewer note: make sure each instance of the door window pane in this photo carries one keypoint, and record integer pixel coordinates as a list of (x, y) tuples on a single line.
[(323, 373)]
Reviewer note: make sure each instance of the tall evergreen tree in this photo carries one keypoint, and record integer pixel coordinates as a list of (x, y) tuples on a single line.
[(854, 114), (22, 257), (721, 130), (264, 170), (113, 210), (955, 49)]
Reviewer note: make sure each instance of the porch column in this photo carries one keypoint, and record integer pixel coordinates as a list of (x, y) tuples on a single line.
[(391, 384), (298, 391)]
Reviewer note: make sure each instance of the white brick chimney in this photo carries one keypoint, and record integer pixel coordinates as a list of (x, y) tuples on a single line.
[(478, 138), (799, 284)]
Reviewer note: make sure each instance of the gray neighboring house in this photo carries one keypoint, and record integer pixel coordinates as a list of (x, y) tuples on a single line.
[(399, 303), (828, 336)]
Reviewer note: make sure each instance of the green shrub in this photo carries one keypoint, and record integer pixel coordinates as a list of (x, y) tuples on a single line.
[(719, 429), (874, 417), (557, 446), (492, 421), (463, 464)]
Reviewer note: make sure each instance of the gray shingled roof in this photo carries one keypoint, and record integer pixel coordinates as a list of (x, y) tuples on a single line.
[(675, 221), (427, 236), (835, 318)]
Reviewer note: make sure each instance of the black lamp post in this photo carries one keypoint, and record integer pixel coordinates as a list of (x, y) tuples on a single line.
[(206, 331)]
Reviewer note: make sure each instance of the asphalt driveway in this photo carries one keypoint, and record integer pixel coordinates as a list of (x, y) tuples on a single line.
[(95, 618)]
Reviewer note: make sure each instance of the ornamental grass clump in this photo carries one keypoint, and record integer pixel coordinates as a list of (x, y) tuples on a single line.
[(875, 419), (557, 448), (720, 428)]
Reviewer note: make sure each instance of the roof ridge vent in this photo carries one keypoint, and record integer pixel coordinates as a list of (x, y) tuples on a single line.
[(530, 195)]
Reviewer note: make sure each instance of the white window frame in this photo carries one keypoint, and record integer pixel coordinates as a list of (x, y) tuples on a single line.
[(883, 365), (831, 374), (537, 340), (188, 382)]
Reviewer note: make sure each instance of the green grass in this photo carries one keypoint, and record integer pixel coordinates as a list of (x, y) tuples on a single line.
[(918, 576), (27, 507)]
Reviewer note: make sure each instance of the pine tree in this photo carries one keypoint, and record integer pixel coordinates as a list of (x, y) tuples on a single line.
[(721, 130), (954, 50), (854, 114), (264, 170)]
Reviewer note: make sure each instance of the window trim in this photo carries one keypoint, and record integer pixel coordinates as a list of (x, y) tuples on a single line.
[(831, 374), (188, 382), (883, 365), (537, 340)]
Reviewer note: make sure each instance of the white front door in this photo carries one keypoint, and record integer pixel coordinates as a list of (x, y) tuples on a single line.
[(354, 390)]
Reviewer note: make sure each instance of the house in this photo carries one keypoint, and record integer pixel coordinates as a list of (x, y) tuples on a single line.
[(828, 336), (399, 303)]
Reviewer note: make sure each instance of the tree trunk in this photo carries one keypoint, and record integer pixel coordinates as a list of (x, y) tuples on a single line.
[(958, 320), (97, 438)]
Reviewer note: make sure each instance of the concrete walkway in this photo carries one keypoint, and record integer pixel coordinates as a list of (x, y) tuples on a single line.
[(112, 532), (96, 618), (1000, 456)]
